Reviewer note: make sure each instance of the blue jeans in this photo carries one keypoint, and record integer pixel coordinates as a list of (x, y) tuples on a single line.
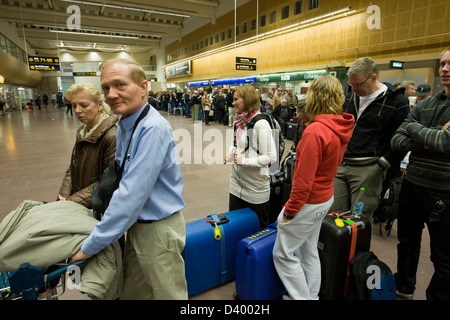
[(200, 112)]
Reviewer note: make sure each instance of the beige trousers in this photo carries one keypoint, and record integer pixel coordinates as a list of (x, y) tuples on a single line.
[(153, 264), (348, 181)]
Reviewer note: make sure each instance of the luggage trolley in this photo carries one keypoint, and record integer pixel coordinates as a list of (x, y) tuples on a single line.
[(33, 283)]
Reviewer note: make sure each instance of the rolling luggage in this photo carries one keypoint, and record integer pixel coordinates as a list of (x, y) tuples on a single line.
[(338, 243), (291, 129), (287, 167), (210, 250), (256, 277), (276, 196)]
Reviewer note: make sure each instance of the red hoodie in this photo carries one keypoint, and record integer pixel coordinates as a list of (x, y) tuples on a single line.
[(319, 154)]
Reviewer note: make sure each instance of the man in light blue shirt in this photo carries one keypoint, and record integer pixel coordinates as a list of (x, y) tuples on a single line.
[(148, 203)]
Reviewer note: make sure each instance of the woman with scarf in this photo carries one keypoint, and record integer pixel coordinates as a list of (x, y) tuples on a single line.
[(95, 144), (252, 153)]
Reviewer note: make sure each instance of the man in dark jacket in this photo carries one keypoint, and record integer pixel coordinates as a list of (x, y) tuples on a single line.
[(425, 193), (151, 100), (379, 110), (187, 104), (219, 106), (283, 114)]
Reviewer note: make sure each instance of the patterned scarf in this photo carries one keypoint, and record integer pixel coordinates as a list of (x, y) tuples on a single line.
[(241, 120)]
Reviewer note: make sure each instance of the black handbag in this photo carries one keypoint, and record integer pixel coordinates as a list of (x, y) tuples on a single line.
[(102, 192)]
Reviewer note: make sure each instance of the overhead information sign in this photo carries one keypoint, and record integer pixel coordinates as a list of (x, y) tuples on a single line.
[(84, 74), (178, 70), (43, 63), (396, 64), (222, 82), (298, 76), (245, 64), (199, 84)]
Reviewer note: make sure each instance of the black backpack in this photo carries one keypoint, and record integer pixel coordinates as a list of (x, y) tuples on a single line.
[(387, 210), (274, 125), (370, 278)]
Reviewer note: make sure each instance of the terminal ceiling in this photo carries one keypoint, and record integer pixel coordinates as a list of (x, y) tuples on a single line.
[(51, 25)]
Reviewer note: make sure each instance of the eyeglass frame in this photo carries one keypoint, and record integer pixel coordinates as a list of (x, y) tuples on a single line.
[(438, 208), (359, 85)]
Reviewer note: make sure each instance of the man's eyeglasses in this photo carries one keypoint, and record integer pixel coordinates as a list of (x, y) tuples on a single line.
[(439, 207), (359, 85)]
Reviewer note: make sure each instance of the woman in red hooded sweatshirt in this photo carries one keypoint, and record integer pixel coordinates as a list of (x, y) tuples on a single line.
[(318, 155)]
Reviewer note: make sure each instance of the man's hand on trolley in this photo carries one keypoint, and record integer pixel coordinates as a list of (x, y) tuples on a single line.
[(80, 255)]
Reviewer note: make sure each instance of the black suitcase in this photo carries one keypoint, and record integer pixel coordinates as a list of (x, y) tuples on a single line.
[(276, 196), (288, 170), (288, 165), (286, 193), (337, 245), (291, 129)]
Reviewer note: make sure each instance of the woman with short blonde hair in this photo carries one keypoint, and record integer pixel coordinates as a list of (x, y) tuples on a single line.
[(95, 144), (325, 96), (318, 156), (93, 91), (252, 153), (250, 96)]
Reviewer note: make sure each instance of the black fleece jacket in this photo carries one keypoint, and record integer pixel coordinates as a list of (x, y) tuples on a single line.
[(374, 128)]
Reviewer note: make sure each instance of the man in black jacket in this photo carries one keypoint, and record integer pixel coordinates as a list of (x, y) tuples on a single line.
[(283, 113), (379, 110), (152, 100), (425, 193), (187, 104), (219, 106)]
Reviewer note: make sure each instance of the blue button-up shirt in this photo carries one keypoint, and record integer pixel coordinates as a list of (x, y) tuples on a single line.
[(151, 187)]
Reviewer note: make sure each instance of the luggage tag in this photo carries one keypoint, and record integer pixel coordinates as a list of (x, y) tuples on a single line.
[(217, 234), (221, 219), (339, 221), (347, 219)]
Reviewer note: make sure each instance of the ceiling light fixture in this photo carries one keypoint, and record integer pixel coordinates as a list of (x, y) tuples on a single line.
[(326, 15), (93, 34), (127, 8), (95, 48)]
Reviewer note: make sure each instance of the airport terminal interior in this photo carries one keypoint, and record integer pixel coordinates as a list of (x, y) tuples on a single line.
[(47, 45), (38, 145)]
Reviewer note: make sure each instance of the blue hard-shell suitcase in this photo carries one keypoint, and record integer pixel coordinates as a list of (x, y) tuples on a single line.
[(256, 277), (211, 244)]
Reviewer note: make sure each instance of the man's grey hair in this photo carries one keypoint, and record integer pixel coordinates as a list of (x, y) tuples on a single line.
[(137, 74), (365, 65)]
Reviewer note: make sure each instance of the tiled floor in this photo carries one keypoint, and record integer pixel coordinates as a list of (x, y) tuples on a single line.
[(35, 149)]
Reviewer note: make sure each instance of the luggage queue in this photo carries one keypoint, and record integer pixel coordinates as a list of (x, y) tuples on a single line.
[(309, 248)]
